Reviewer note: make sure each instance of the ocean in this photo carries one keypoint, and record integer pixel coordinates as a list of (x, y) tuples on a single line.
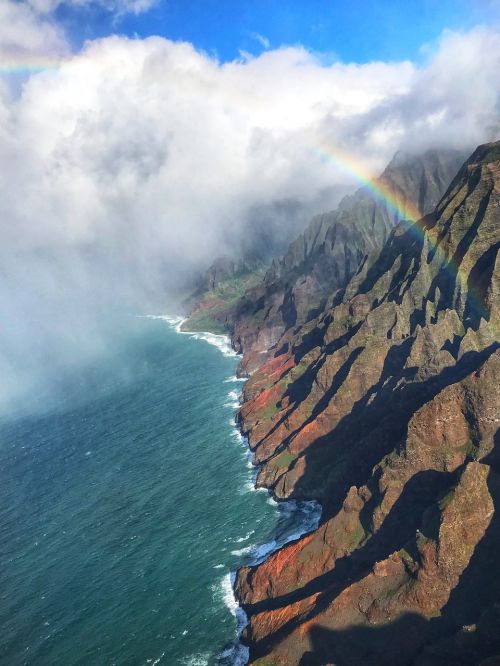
[(126, 507)]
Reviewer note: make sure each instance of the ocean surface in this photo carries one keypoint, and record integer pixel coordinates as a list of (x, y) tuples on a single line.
[(125, 509)]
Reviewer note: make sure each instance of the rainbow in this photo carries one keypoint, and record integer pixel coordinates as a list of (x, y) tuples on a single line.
[(28, 68), (377, 187), (402, 208), (407, 212)]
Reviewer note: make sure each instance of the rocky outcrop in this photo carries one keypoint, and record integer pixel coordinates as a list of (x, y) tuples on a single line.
[(385, 407), (211, 306), (329, 252)]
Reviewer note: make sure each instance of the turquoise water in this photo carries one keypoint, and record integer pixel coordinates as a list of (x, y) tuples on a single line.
[(123, 512)]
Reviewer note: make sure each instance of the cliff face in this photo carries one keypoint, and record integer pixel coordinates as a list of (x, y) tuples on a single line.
[(329, 252), (219, 289), (385, 408)]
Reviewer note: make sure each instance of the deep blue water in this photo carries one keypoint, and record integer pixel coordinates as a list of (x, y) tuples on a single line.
[(123, 511)]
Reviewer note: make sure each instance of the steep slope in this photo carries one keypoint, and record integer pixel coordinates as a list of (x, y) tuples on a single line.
[(326, 256), (220, 288), (386, 409)]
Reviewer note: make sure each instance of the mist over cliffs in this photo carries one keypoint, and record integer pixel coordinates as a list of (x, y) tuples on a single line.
[(385, 408), (133, 164)]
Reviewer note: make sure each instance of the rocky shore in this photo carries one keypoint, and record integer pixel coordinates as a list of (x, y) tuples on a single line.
[(384, 406)]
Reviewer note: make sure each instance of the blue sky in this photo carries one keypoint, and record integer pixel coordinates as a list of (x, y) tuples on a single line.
[(353, 31)]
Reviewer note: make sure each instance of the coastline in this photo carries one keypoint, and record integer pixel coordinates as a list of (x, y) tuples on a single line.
[(305, 515)]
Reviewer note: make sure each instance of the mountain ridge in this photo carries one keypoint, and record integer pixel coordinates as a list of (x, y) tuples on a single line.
[(385, 409), (326, 255)]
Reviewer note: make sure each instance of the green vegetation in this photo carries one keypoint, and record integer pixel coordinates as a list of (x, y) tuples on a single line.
[(311, 551), (269, 412), (206, 322), (284, 459), (298, 370), (410, 565), (232, 289), (211, 311), (492, 155), (469, 449), (265, 661), (356, 537)]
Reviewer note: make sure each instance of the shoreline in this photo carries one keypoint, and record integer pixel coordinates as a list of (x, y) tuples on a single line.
[(236, 653)]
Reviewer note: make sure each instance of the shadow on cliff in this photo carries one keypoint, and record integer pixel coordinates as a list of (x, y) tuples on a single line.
[(402, 243), (376, 425), (389, 645), (394, 644), (467, 633), (398, 531), (421, 490), (398, 528), (468, 628)]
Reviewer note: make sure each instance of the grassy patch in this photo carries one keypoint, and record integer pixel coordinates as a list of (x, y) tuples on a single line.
[(268, 412), (469, 449), (265, 661), (211, 309), (204, 322), (410, 565), (233, 288), (356, 537), (311, 551), (492, 155), (284, 459)]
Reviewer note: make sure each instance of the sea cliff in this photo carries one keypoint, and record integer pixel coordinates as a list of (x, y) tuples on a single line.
[(383, 404), (385, 408)]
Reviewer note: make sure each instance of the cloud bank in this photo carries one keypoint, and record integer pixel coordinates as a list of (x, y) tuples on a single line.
[(134, 162)]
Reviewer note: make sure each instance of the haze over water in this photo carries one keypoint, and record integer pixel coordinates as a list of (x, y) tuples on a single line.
[(123, 512)]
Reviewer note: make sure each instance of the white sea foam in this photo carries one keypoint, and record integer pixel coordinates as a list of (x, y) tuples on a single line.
[(248, 487), (233, 379), (222, 342), (196, 660), (305, 515), (153, 662), (236, 434), (257, 554), (234, 395), (233, 402), (246, 537), (175, 322), (226, 587), (235, 655), (242, 551)]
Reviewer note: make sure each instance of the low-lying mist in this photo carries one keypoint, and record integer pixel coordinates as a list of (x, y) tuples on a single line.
[(133, 164)]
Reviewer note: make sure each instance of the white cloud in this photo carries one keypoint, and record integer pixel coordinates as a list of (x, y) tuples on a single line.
[(262, 39), (139, 155), (30, 37), (25, 36)]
